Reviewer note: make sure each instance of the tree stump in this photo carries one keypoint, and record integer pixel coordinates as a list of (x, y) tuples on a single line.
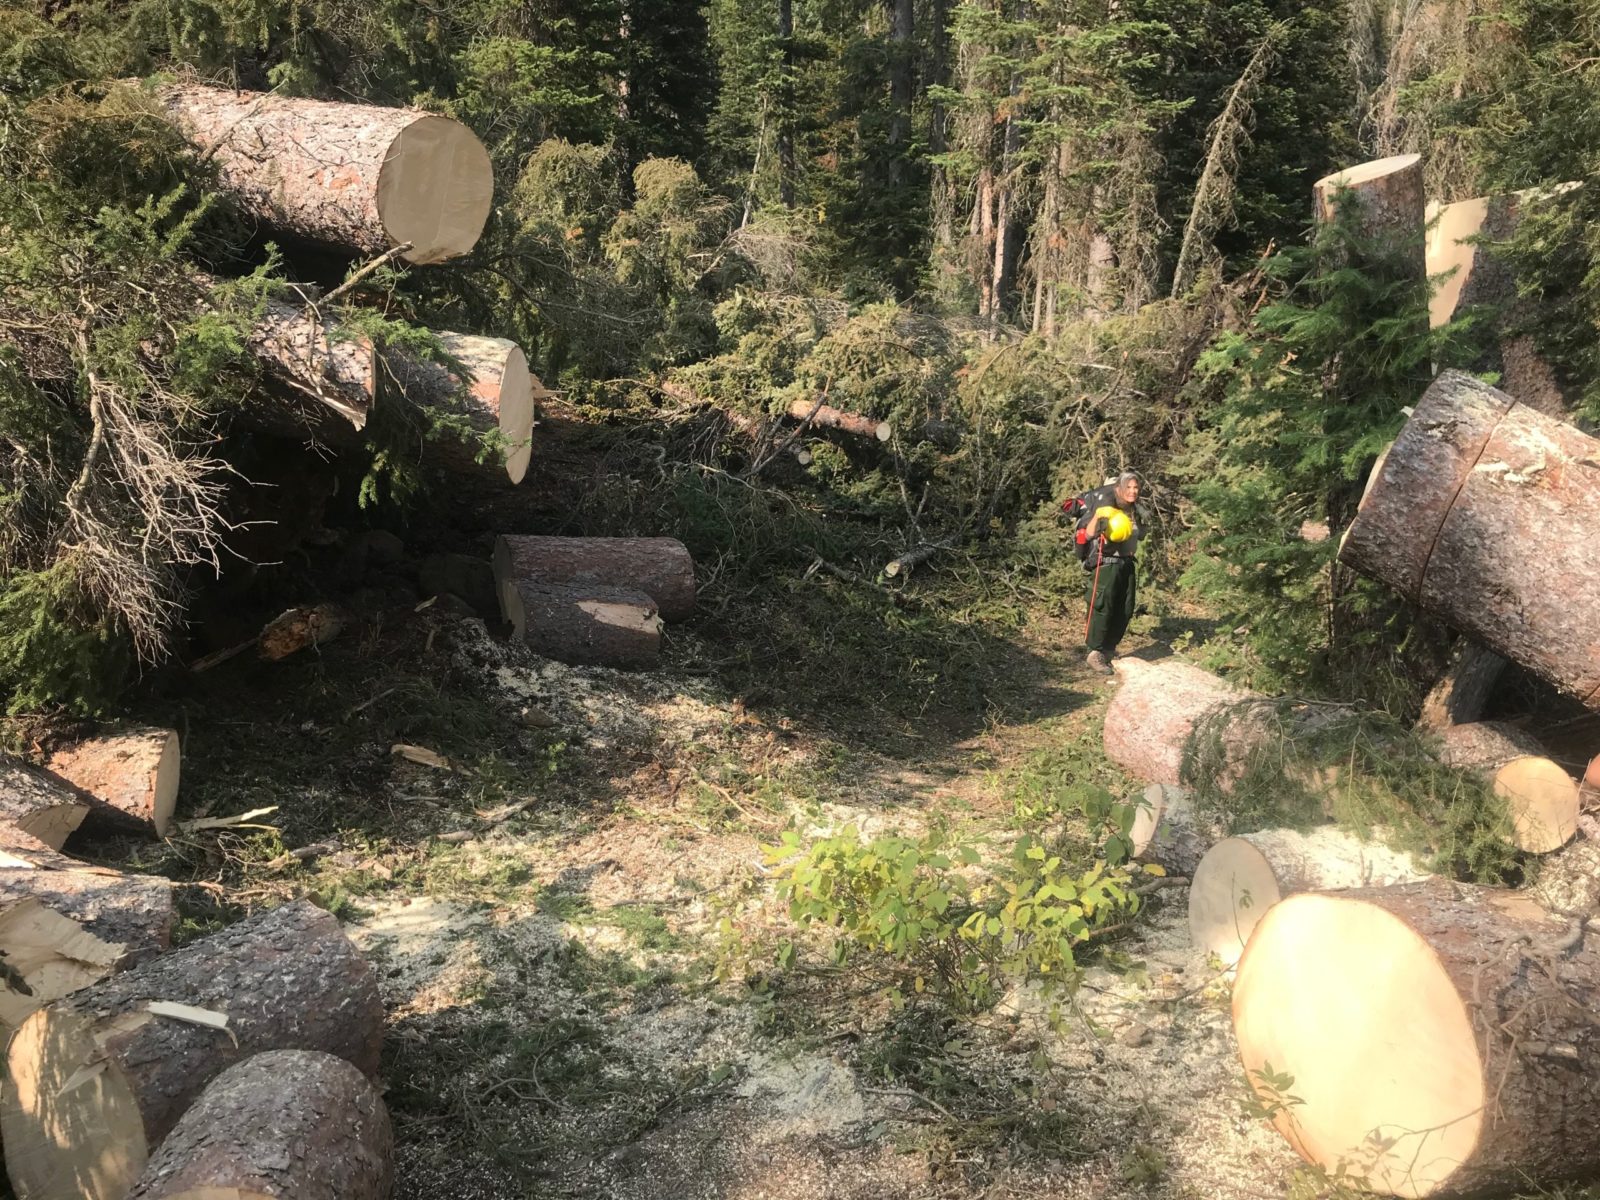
[(39, 805), (585, 624), (352, 176), (1389, 200), (1481, 512), (1165, 831), (1241, 878), (1442, 1039), (1155, 710), (657, 566), (1542, 798), (135, 771), (284, 1125), (97, 1079), (130, 911)]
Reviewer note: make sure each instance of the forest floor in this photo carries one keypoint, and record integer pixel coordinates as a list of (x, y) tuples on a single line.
[(544, 902)]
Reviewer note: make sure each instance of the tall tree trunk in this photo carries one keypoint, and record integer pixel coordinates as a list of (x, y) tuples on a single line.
[(1005, 240), (938, 75), (786, 104), (901, 64)]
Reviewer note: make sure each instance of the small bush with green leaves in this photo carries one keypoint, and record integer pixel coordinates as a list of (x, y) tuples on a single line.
[(945, 920)]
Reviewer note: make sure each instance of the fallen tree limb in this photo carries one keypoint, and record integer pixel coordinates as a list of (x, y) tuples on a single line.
[(829, 417)]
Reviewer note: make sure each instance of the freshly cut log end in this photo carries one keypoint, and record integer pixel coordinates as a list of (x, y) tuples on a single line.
[(284, 1125), (659, 567), (353, 176), (1165, 832), (1240, 879), (1542, 798), (501, 397), (135, 772), (1154, 712), (1439, 1038), (1591, 777), (44, 956), (585, 625), (1388, 190), (98, 1078), (132, 911), (39, 805)]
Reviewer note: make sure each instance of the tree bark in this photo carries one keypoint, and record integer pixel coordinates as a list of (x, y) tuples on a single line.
[(44, 956), (1542, 798), (284, 1125), (1482, 512), (1459, 697), (1441, 1039), (1241, 878), (786, 156), (829, 417), (501, 399), (659, 567), (1155, 709), (40, 805), (306, 357), (911, 559), (352, 176), (585, 624), (1165, 831), (135, 771), (1391, 206), (97, 1079), (902, 64), (133, 912)]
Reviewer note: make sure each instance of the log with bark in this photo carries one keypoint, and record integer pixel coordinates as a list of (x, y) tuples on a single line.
[(96, 1080), (352, 176), (40, 805), (912, 559), (659, 567), (828, 417), (585, 624), (26, 852), (498, 395), (1167, 832), (1389, 203), (1441, 1039), (1482, 512), (131, 911), (134, 771), (306, 356), (1542, 798), (1461, 694), (1155, 710), (284, 1125), (44, 956), (1242, 877)]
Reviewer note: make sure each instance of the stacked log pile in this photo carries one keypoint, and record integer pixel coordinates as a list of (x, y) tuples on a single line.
[(594, 601)]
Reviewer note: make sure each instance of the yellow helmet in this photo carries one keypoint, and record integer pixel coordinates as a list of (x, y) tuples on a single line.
[(1118, 527)]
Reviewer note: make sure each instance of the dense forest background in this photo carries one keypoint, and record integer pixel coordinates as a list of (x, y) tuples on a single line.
[(1074, 232)]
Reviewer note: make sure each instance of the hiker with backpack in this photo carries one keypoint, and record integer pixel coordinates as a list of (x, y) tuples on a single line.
[(1106, 539)]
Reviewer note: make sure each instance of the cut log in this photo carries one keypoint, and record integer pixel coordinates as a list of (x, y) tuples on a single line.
[(299, 629), (912, 559), (1441, 1039), (39, 805), (585, 624), (43, 957), (1154, 711), (1459, 697), (135, 771), (1165, 831), (132, 911), (1472, 485), (1542, 798), (659, 567), (352, 176), (1241, 878), (284, 1125), (25, 852), (1389, 200), (829, 417), (307, 357), (500, 399), (97, 1079)]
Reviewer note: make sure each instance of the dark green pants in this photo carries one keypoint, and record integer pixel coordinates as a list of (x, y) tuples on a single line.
[(1110, 603)]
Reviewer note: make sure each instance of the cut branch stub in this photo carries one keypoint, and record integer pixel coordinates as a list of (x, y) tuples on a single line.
[(135, 771), (1482, 512), (98, 1078), (1440, 1039), (353, 176), (659, 567), (1241, 878), (284, 1125)]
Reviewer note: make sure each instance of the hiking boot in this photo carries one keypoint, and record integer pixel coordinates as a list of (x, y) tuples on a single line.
[(1097, 662)]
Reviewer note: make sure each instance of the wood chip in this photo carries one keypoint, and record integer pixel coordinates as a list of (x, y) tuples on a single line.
[(422, 755), (192, 1015)]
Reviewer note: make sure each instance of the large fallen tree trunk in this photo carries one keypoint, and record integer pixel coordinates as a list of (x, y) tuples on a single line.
[(39, 805), (97, 1079), (1242, 877), (1542, 798), (1154, 712), (131, 911), (585, 624), (352, 176), (829, 417), (135, 771), (43, 957), (284, 1125), (1440, 1039), (26, 852), (657, 566), (1482, 511)]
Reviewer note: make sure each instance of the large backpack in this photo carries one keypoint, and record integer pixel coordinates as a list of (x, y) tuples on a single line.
[(1080, 509)]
